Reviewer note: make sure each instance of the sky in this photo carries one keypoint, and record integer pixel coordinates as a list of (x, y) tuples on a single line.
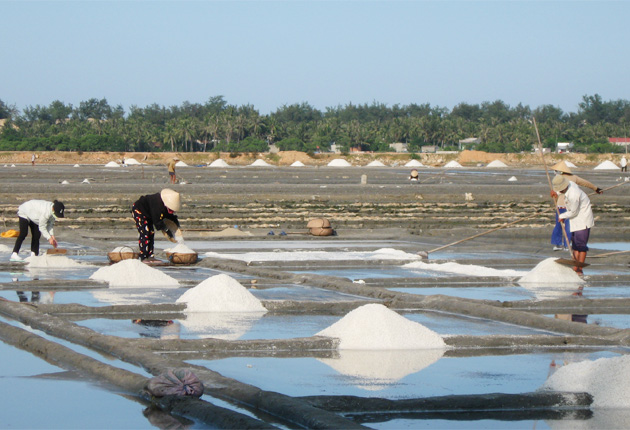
[(325, 53)]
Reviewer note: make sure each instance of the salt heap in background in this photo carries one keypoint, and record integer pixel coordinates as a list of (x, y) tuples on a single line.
[(550, 272), (181, 163), (133, 273), (376, 163), (260, 163), (376, 327), (496, 164), (414, 163), (219, 162), (339, 162), (452, 164), (513, 179), (463, 269), (220, 293), (52, 262), (132, 162), (297, 164), (605, 379), (569, 164), (606, 165), (112, 164)]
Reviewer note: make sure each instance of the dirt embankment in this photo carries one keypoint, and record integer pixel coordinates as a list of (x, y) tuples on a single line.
[(286, 158)]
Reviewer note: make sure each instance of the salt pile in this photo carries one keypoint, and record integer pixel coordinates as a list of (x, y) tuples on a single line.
[(64, 182), (220, 293), (452, 164), (463, 269), (339, 162), (132, 162), (374, 326), (380, 254), (297, 164), (86, 181), (112, 164), (5, 248), (496, 164), (180, 248), (413, 163), (513, 179), (76, 165), (219, 162), (133, 273), (180, 163), (52, 262), (376, 163), (605, 379), (260, 163), (606, 165), (550, 272), (569, 164)]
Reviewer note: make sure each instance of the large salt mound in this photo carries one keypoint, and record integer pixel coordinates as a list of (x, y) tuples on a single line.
[(52, 262), (219, 162), (5, 248), (550, 272), (606, 165), (112, 164), (220, 293), (413, 163), (569, 164), (297, 164), (374, 326), (605, 379), (496, 164), (132, 162), (376, 163), (463, 269), (133, 273), (260, 163), (180, 163), (452, 164), (339, 162)]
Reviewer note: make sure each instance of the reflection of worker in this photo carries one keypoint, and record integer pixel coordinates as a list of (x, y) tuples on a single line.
[(557, 238), (413, 176), (579, 212), (152, 210), (39, 216), (158, 329), (171, 169)]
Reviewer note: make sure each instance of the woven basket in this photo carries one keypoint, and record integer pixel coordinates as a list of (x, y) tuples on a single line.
[(178, 258), (318, 223), (321, 231), (115, 257)]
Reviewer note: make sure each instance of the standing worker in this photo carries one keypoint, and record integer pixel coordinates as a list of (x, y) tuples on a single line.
[(579, 212), (557, 238), (33, 159), (624, 164), (39, 216), (149, 211), (171, 169)]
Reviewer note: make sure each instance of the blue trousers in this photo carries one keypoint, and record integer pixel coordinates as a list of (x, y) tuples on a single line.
[(557, 238)]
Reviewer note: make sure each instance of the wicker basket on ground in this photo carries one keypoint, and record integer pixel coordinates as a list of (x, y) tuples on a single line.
[(179, 258), (124, 253)]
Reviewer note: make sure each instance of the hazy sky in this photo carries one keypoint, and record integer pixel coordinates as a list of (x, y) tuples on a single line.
[(325, 53)]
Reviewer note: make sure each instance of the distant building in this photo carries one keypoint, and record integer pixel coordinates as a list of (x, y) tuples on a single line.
[(334, 149), (273, 149), (470, 142), (428, 148), (544, 150), (564, 146), (621, 141), (398, 147)]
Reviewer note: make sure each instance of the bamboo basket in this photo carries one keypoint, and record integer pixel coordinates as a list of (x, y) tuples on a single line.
[(126, 254), (179, 258)]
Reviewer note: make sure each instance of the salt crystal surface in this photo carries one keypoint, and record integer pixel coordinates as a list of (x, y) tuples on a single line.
[(112, 164), (606, 165), (339, 162), (413, 163), (379, 254), (260, 163), (376, 327), (133, 273), (463, 269), (52, 261), (496, 163), (180, 248), (606, 379), (550, 272), (220, 293), (452, 164), (219, 163)]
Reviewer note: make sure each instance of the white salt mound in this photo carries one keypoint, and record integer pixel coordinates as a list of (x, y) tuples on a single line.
[(549, 272), (52, 261), (64, 182), (132, 162), (463, 269), (496, 163), (605, 379), (513, 179), (219, 162), (374, 326), (452, 164), (180, 163), (112, 164), (180, 248), (220, 293), (339, 162), (376, 163), (297, 164), (260, 163), (606, 165), (76, 165), (5, 248), (133, 273), (413, 163), (569, 164)]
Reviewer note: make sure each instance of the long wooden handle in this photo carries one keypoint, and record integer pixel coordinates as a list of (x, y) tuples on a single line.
[(610, 188)]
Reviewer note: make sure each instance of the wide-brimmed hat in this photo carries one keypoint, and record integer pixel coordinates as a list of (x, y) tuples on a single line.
[(171, 199), (562, 167), (560, 183), (414, 173), (58, 209)]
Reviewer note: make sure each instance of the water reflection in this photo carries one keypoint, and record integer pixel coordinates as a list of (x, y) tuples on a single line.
[(219, 325)]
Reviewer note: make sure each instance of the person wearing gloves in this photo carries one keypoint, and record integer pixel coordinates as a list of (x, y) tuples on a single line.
[(39, 216), (154, 210), (579, 212), (557, 238)]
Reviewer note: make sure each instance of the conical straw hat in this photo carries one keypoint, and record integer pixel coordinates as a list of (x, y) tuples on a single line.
[(562, 167)]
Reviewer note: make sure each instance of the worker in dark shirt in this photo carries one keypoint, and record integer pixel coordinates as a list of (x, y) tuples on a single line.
[(151, 211)]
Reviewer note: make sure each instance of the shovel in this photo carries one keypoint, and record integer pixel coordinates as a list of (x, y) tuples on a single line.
[(56, 251)]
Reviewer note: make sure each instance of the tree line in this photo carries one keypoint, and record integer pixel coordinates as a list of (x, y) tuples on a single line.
[(216, 125)]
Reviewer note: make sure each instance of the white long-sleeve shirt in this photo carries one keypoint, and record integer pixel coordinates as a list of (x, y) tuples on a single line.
[(578, 208), (41, 213)]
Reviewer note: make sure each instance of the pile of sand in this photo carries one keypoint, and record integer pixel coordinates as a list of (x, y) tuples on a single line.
[(374, 326), (496, 164), (606, 165), (219, 162), (133, 273), (452, 164), (339, 162), (220, 293)]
